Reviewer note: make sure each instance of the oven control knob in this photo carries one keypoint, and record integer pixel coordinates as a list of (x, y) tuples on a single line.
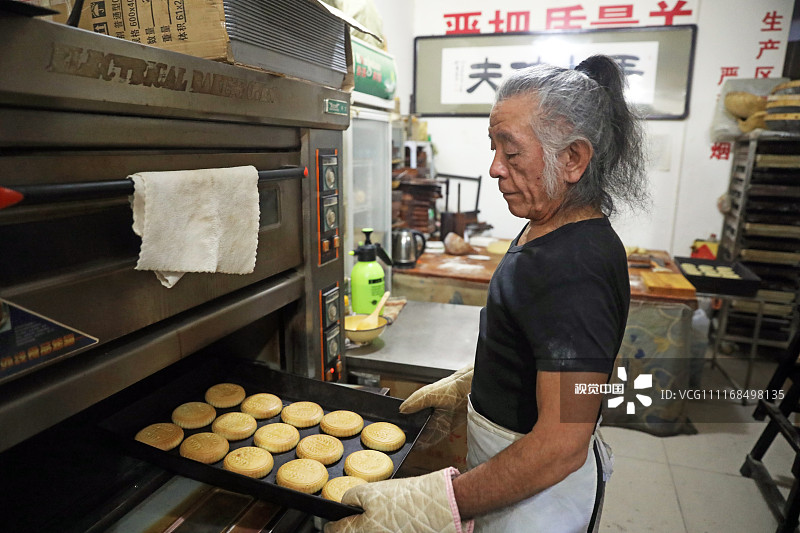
[(330, 178), (333, 312), (330, 218), (333, 347)]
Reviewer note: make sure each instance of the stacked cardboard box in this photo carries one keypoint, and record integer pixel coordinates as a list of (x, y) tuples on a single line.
[(305, 39)]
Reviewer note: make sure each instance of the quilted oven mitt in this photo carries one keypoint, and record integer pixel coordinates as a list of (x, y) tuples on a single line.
[(423, 504), (448, 397)]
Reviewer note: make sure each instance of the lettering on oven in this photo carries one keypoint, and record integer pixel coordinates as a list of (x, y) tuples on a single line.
[(95, 64)]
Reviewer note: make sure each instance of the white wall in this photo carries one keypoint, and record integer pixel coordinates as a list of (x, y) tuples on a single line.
[(684, 180), (729, 33), (398, 29)]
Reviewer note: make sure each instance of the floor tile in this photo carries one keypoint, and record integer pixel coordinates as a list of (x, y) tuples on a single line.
[(640, 496), (719, 451), (712, 502), (718, 446), (634, 444)]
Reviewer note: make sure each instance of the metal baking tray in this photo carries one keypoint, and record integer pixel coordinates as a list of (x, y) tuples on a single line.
[(256, 377), (746, 286)]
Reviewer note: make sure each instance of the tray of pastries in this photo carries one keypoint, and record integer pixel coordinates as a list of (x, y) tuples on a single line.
[(297, 442), (719, 277)]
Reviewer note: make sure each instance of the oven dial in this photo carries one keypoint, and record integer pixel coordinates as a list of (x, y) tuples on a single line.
[(333, 312), (330, 178), (330, 298), (333, 347), (328, 172)]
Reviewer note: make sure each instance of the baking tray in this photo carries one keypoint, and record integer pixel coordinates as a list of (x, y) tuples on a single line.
[(256, 377), (747, 286)]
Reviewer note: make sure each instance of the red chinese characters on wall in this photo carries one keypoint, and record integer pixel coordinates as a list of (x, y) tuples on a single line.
[(768, 49), (728, 72), (720, 151), (615, 15), (564, 18), (670, 13), (772, 21), (763, 72), (572, 17), (514, 21), (461, 23)]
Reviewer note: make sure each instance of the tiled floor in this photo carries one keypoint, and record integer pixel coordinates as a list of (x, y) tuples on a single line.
[(691, 483)]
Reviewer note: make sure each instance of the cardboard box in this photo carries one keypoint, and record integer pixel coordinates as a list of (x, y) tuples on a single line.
[(199, 28)]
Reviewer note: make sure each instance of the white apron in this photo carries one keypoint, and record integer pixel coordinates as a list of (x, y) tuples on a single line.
[(566, 507)]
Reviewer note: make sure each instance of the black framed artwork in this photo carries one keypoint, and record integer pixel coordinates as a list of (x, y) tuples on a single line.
[(457, 75)]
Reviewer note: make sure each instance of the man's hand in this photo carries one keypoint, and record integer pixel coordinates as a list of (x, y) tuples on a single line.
[(449, 398), (423, 504)]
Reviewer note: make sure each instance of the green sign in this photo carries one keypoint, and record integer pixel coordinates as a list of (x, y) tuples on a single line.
[(375, 72), (336, 107)]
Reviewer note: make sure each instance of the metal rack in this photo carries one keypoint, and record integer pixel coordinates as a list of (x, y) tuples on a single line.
[(727, 299), (762, 231)]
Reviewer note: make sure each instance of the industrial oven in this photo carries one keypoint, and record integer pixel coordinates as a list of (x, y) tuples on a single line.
[(81, 328)]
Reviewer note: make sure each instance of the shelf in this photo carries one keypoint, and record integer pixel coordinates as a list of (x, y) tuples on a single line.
[(777, 161), (762, 230), (772, 230), (774, 190), (760, 342), (768, 256)]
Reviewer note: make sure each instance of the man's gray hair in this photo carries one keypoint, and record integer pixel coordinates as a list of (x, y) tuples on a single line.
[(585, 105)]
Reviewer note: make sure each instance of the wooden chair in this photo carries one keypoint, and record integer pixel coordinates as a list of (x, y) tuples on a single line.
[(786, 510)]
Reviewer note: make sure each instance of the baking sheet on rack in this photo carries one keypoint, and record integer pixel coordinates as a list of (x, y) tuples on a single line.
[(256, 377)]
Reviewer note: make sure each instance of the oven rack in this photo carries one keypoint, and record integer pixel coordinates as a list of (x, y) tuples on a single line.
[(62, 192)]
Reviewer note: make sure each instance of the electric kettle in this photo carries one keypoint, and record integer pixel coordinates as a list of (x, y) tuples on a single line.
[(407, 246)]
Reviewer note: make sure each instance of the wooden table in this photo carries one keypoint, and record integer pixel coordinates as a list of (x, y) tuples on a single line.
[(464, 279), (445, 278), (639, 292)]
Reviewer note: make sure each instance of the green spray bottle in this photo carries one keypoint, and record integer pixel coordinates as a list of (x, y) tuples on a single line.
[(367, 281)]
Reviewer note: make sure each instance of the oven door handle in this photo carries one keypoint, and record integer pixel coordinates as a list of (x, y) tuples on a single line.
[(49, 193)]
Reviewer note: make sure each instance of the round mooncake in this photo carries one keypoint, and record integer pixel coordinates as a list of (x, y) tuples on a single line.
[(383, 436), (193, 415), (205, 448), (224, 395), (277, 437), (249, 461), (305, 475), (262, 405), (323, 448), (302, 414), (234, 426), (336, 487), (341, 423), (163, 435), (370, 465)]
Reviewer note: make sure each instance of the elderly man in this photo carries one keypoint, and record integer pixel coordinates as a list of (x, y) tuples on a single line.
[(566, 145)]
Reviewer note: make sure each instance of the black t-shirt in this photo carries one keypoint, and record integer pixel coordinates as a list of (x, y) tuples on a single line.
[(557, 303)]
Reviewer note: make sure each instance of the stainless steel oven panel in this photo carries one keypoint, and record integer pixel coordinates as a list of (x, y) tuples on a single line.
[(34, 128), (37, 401), (74, 262), (47, 65)]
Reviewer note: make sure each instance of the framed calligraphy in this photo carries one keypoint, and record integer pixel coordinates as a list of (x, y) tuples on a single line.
[(457, 75)]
